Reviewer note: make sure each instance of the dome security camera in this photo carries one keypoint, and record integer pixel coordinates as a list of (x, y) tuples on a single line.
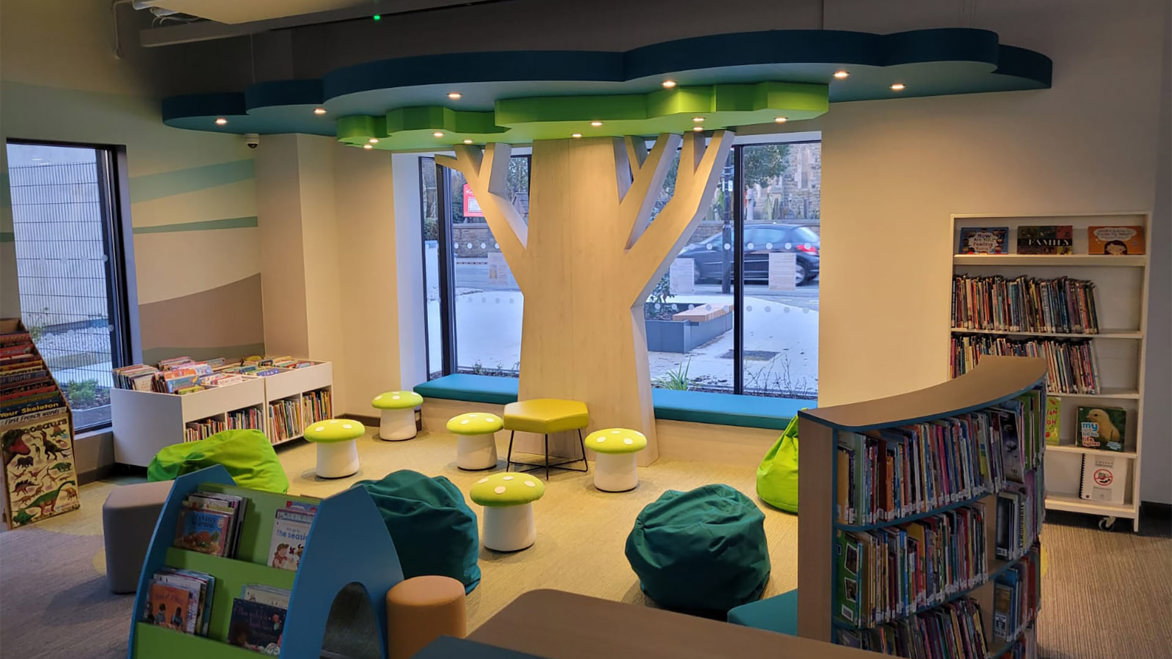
[(252, 140)]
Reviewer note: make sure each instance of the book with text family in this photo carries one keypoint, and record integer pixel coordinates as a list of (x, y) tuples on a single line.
[(1050, 239), (983, 240), (1115, 241), (170, 606), (290, 532), (1102, 427)]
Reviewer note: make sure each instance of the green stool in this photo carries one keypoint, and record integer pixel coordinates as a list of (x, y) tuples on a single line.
[(508, 499), (614, 467), (544, 416), (337, 452), (476, 448), (397, 418)]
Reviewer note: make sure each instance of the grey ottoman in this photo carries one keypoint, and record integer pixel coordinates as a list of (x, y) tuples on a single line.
[(128, 520)]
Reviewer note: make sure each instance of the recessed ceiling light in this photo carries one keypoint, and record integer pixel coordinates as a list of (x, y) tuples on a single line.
[(596, 124), (780, 120), (368, 147), (455, 96), (467, 141), (374, 140), (697, 128), (220, 121), (319, 111), (898, 87), (576, 135), (438, 133), (697, 119), (668, 84), (841, 73)]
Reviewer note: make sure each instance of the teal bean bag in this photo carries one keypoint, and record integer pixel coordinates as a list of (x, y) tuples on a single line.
[(433, 528), (777, 475), (701, 551), (246, 454)]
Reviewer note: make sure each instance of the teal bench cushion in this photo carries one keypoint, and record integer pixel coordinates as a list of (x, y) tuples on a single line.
[(471, 388), (774, 614)]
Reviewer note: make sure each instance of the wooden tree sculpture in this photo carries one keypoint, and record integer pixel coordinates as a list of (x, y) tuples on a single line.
[(590, 232)]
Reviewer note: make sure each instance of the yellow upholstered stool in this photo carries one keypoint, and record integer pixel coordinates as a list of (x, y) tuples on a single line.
[(545, 416), (420, 610)]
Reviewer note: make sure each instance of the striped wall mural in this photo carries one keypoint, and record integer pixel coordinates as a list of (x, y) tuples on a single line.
[(193, 212)]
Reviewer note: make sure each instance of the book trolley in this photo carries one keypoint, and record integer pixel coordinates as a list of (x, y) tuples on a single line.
[(348, 543), (822, 575)]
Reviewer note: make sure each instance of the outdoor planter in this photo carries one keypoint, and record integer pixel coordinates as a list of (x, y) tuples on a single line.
[(688, 329)]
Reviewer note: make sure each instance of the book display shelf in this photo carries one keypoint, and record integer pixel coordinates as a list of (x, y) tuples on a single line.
[(927, 532), (279, 405), (347, 543), (1113, 347)]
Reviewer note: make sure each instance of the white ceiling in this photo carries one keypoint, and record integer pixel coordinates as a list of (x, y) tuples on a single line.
[(246, 11)]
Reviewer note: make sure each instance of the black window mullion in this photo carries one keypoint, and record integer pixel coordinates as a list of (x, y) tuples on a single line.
[(738, 204), (443, 189), (115, 263)]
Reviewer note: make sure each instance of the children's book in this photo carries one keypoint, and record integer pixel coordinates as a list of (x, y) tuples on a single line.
[(290, 531), (1102, 427), (983, 240), (271, 595), (1115, 241), (1104, 478), (849, 557), (1053, 416), (170, 606), (1051, 239), (256, 626), (205, 531)]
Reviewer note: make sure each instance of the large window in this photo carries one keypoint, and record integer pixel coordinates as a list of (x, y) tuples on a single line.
[(69, 242), (474, 306)]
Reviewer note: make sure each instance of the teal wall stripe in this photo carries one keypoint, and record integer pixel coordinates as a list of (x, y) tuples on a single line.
[(166, 184), (7, 237), (206, 225)]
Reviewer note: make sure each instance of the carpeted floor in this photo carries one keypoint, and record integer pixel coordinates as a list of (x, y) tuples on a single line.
[(1106, 594)]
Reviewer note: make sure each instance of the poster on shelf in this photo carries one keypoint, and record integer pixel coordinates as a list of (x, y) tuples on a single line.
[(40, 477)]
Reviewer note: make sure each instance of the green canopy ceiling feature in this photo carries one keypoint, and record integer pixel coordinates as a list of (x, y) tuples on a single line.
[(517, 96)]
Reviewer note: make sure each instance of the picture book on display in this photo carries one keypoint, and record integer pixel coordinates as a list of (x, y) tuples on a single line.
[(983, 240), (1104, 478), (290, 532), (210, 522), (1053, 417), (180, 600), (256, 626), (1050, 239), (1115, 241), (1102, 427)]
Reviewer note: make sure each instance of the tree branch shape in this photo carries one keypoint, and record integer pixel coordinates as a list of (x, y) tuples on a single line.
[(697, 175), (647, 171), (486, 172)]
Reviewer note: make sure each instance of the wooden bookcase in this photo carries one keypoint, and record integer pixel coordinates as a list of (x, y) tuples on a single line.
[(995, 381), (146, 421), (1121, 284), (348, 543)]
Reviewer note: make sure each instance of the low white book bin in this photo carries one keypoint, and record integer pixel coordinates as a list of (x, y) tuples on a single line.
[(614, 467), (508, 499), (397, 414)]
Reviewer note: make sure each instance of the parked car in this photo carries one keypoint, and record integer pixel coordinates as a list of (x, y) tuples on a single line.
[(760, 241)]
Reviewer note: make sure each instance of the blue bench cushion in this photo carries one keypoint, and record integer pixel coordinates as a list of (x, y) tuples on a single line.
[(471, 388), (775, 614)]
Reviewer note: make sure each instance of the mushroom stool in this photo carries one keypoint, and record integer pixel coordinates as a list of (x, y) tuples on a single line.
[(508, 499), (397, 417), (337, 452), (476, 449), (614, 467), (420, 610)]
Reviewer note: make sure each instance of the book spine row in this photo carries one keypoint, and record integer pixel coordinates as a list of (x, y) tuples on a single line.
[(952, 631), (202, 429), (245, 419), (893, 572), (26, 385), (1024, 304), (1016, 600), (285, 419), (315, 406), (1073, 368)]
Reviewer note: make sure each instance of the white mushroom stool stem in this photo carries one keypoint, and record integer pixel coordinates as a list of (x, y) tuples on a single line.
[(475, 452), (508, 528), (615, 472), (397, 425), (337, 459)]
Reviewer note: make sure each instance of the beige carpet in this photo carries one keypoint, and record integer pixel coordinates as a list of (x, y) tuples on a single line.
[(1107, 594)]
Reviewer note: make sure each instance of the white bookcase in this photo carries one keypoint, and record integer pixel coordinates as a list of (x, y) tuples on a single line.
[(145, 421), (1121, 285)]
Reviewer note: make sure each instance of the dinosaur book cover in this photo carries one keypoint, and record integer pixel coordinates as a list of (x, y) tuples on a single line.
[(40, 479)]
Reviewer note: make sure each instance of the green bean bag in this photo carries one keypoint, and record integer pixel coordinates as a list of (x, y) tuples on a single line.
[(433, 528), (777, 475), (246, 454), (701, 551)]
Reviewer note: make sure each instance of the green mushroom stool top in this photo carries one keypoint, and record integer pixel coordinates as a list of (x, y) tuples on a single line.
[(475, 423), (334, 430), (616, 440), (397, 400), (506, 489)]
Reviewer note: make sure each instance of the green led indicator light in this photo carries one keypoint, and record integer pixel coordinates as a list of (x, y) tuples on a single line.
[(377, 17)]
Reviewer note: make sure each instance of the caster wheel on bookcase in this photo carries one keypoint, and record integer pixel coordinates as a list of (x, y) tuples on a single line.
[(1105, 523)]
